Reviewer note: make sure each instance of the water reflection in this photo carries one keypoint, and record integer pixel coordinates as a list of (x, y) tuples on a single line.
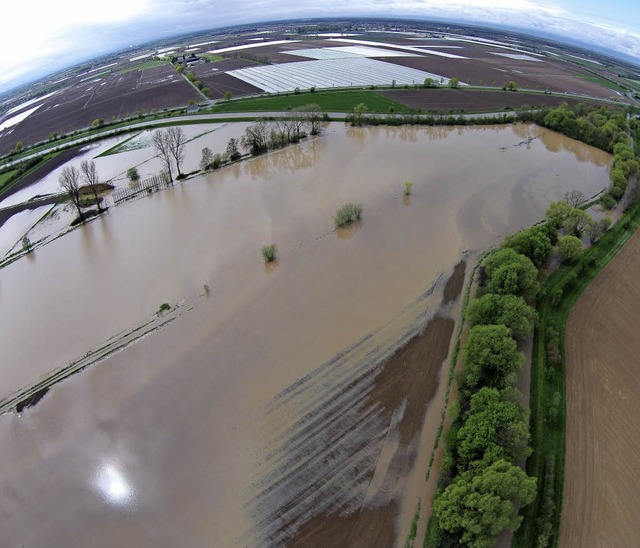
[(349, 231), (112, 485), (406, 200)]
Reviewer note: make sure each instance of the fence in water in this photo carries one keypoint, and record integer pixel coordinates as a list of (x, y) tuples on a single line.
[(143, 188)]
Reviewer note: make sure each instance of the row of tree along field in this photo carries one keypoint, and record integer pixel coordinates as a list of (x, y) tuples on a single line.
[(481, 487)]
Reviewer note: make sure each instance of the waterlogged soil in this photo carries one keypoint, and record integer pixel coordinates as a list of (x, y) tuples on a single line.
[(275, 404), (602, 472)]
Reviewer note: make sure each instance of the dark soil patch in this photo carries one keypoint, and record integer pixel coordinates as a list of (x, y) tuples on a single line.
[(454, 284), (42, 171), (221, 82), (410, 376), (444, 100)]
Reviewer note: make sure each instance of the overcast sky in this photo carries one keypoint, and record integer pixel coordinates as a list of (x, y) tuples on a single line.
[(41, 36)]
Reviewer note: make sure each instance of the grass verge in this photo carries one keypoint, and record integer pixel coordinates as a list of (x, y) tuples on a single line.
[(541, 525), (330, 101)]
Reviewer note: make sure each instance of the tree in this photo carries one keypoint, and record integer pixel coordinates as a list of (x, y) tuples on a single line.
[(177, 139), (233, 150), (132, 174), (162, 145), (533, 243), (206, 159), (573, 197), (97, 122), (227, 95), (511, 86), (358, 113), (313, 117), (570, 248), (511, 273), (26, 243), (577, 222), (478, 506), (19, 146), (256, 138), (490, 357), (557, 213), (91, 179), (454, 83), (428, 82), (508, 310), (596, 229), (69, 180), (494, 428)]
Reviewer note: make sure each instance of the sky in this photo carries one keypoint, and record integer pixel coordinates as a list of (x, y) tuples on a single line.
[(45, 36)]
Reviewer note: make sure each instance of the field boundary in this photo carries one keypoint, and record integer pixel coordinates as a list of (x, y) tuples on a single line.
[(547, 462)]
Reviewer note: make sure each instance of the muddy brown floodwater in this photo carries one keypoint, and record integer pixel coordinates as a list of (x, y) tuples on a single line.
[(271, 407)]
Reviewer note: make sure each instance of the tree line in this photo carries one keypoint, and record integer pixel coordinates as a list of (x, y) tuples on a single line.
[(267, 135), (481, 489)]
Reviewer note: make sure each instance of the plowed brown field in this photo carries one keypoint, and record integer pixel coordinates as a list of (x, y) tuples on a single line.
[(602, 477)]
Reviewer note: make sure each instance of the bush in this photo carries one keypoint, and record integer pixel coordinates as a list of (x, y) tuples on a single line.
[(132, 174), (608, 201), (269, 253), (348, 213)]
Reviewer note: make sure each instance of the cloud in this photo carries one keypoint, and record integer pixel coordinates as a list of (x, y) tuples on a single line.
[(50, 35)]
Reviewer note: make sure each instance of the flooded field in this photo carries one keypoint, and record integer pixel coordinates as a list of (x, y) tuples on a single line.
[(266, 407)]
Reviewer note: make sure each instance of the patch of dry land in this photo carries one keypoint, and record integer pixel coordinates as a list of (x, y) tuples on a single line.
[(272, 406), (602, 475)]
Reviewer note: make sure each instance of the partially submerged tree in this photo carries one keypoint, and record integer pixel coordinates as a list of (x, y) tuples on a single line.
[(557, 213), (573, 197), (313, 117), (206, 159), (233, 150), (177, 139), (162, 145), (256, 138), (577, 222), (91, 179), (132, 174), (69, 180), (358, 113)]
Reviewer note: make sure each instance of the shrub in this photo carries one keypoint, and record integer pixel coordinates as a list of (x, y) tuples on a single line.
[(269, 253), (164, 307), (132, 174), (348, 213), (608, 201), (407, 188)]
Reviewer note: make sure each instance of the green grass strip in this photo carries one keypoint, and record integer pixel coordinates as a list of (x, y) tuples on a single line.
[(330, 101), (542, 518)]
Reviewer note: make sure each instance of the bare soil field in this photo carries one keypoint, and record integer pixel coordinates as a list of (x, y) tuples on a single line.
[(602, 475), (221, 82), (456, 99), (115, 96), (492, 69)]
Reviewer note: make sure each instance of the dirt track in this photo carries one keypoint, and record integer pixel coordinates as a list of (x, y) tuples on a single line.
[(602, 477)]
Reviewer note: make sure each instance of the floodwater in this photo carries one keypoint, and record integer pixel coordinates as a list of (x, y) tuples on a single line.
[(187, 436), (113, 168)]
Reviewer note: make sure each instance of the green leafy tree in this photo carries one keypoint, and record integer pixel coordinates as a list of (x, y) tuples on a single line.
[(577, 221), (132, 174), (19, 146), (570, 248), (358, 113), (558, 212), (477, 507), (494, 428), (510, 273), (511, 86), (532, 242), (508, 310), (454, 83), (227, 95), (428, 82), (490, 357)]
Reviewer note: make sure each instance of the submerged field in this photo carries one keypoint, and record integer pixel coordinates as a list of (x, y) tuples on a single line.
[(602, 474), (269, 407)]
